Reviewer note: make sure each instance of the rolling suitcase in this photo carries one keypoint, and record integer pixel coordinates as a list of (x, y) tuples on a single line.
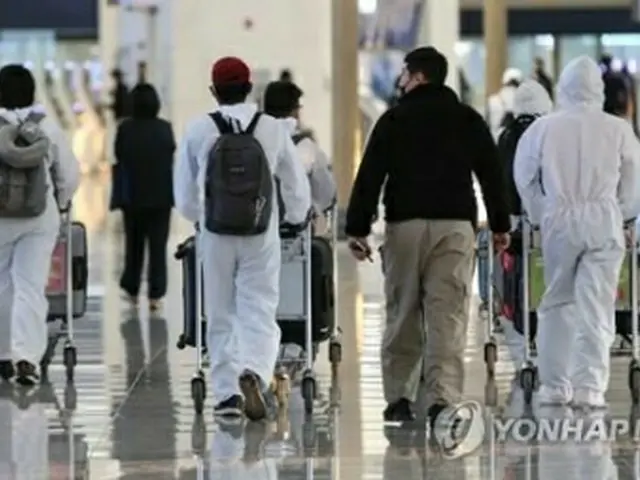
[(292, 295), (78, 266), (194, 318), (186, 254), (66, 291)]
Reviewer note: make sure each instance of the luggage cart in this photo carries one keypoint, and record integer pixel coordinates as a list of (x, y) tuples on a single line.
[(491, 344), (529, 372), (68, 271), (297, 253)]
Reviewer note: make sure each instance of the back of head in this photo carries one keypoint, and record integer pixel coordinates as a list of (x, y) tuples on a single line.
[(617, 93), (281, 98), (145, 102), (17, 87), (581, 84), (531, 98), (231, 80), (430, 63), (512, 77)]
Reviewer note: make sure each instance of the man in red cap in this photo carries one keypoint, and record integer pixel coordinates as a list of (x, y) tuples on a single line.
[(241, 271)]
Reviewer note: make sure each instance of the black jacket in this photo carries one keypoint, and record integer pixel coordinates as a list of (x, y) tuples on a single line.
[(427, 148), (144, 150)]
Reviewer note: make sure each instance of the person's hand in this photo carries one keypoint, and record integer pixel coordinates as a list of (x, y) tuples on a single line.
[(360, 249), (501, 241)]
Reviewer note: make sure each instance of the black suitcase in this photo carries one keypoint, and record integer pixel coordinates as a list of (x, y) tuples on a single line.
[(322, 298), (186, 253)]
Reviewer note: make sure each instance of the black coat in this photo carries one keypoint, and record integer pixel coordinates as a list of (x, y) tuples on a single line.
[(143, 175), (427, 148)]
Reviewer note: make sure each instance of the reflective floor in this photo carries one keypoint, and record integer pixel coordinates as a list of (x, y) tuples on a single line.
[(129, 414)]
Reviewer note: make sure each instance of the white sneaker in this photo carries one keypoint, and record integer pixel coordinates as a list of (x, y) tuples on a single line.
[(590, 399), (551, 397)]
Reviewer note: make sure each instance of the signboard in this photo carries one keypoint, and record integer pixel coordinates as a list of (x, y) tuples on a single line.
[(79, 17), (395, 24)]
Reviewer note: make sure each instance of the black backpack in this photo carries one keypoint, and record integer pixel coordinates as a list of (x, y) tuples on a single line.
[(238, 183), (507, 120), (507, 145)]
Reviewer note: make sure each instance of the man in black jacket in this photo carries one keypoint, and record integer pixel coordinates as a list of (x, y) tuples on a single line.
[(426, 149)]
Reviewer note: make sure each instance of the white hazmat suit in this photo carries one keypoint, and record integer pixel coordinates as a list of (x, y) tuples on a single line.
[(26, 246), (577, 172), (241, 274), (501, 103)]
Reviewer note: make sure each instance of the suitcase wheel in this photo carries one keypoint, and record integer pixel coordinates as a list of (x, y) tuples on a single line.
[(198, 393), (491, 357), (70, 360), (634, 381), (528, 382), (308, 388)]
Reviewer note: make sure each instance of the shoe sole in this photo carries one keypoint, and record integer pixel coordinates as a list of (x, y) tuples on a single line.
[(24, 381), (255, 407)]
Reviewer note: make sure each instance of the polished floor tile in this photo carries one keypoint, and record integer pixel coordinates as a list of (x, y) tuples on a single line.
[(129, 413)]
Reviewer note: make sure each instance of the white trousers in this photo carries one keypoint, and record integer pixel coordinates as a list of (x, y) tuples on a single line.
[(26, 246), (241, 293), (576, 325)]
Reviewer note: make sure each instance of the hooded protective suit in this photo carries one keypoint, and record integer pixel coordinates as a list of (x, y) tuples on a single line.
[(577, 172), (241, 274), (26, 245), (501, 103)]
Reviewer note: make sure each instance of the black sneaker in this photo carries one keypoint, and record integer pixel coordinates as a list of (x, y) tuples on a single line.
[(399, 411), (26, 373), (7, 370), (230, 408), (456, 430), (255, 403)]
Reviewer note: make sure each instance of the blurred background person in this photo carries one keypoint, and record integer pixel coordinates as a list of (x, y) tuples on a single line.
[(119, 96), (466, 92), (541, 76), (500, 105), (143, 190), (617, 89)]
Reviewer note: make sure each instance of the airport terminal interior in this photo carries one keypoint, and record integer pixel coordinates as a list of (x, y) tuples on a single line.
[(128, 411)]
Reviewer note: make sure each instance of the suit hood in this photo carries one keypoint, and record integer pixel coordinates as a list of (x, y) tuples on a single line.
[(531, 98), (581, 84)]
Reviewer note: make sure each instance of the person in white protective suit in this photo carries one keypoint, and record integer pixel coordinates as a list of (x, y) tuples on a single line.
[(26, 244), (282, 100), (500, 105), (241, 274), (577, 171)]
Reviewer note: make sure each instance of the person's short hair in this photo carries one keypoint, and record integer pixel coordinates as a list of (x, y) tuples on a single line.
[(281, 98), (429, 62), (145, 101), (286, 75), (231, 79), (17, 87)]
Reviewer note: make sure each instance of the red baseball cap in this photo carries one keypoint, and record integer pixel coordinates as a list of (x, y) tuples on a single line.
[(230, 70)]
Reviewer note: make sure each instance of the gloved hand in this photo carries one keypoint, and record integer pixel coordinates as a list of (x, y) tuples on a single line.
[(291, 230)]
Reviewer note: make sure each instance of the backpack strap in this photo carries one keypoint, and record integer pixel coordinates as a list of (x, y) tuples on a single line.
[(224, 127), (253, 123)]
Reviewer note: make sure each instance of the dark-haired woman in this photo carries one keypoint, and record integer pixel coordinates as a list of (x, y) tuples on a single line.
[(143, 189)]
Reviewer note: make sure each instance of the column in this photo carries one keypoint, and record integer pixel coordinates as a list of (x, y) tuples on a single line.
[(345, 100), (108, 34), (496, 36), (440, 28)]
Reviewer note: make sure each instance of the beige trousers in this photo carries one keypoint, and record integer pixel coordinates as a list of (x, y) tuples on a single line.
[(428, 266)]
